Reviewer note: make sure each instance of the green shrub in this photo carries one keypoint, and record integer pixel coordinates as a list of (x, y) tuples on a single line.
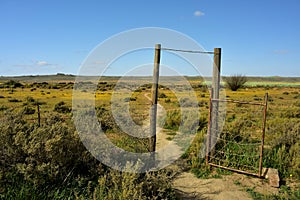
[(14, 100), (50, 162), (43, 155), (124, 185), (30, 99), (127, 99), (235, 82), (187, 102), (2, 108), (173, 120), (28, 110), (284, 146), (162, 95), (297, 97), (13, 84), (202, 103), (61, 107), (167, 100), (106, 119)]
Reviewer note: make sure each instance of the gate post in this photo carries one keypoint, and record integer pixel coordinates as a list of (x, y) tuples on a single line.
[(215, 104), (152, 140)]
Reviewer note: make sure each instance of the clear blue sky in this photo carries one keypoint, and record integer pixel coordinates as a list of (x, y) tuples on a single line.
[(258, 37)]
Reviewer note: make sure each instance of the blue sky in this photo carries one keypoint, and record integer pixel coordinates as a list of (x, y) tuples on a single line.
[(258, 37)]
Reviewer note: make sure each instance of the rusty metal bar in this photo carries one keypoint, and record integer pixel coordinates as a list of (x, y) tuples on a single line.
[(235, 101), (234, 170), (263, 134)]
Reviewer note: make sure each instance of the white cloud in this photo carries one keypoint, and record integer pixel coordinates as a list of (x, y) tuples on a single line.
[(198, 13), (36, 63), (42, 63)]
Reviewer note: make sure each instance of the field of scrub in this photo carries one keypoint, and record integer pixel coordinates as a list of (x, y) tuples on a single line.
[(47, 159)]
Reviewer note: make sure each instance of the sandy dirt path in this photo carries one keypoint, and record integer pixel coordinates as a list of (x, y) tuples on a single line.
[(232, 187), (168, 149), (190, 187)]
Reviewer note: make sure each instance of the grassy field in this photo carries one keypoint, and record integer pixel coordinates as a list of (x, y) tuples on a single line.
[(50, 161)]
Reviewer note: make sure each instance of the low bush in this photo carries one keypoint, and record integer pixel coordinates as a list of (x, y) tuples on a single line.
[(61, 107), (28, 110), (14, 100), (127, 99), (235, 82), (162, 95), (173, 120), (2, 108)]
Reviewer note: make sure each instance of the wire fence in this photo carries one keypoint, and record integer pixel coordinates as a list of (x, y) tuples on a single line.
[(188, 51), (239, 145)]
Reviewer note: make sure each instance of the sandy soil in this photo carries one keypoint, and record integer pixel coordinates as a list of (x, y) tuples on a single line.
[(232, 187)]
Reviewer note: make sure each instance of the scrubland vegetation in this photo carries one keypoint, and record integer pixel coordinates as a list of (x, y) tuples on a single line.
[(50, 162)]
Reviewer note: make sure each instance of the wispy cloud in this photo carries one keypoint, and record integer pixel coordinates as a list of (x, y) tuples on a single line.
[(36, 63), (43, 63), (198, 13)]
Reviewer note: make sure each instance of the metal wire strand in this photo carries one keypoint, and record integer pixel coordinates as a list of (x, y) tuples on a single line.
[(188, 51)]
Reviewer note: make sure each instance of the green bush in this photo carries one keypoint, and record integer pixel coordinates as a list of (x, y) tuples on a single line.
[(50, 162), (162, 95), (28, 110), (128, 99), (30, 99), (61, 107), (14, 100), (173, 120), (42, 155), (187, 102), (235, 82), (284, 146), (13, 84), (124, 185)]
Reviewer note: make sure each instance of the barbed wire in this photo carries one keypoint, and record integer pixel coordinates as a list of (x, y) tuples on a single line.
[(188, 51)]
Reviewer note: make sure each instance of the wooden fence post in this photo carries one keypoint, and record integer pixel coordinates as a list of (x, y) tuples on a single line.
[(215, 95), (152, 141)]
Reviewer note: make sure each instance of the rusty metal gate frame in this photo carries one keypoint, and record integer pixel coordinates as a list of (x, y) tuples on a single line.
[(263, 129)]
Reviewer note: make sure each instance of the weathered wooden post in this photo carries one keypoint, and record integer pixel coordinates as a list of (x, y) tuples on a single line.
[(215, 104), (152, 141)]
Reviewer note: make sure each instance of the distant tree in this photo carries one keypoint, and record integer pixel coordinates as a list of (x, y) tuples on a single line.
[(236, 81)]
